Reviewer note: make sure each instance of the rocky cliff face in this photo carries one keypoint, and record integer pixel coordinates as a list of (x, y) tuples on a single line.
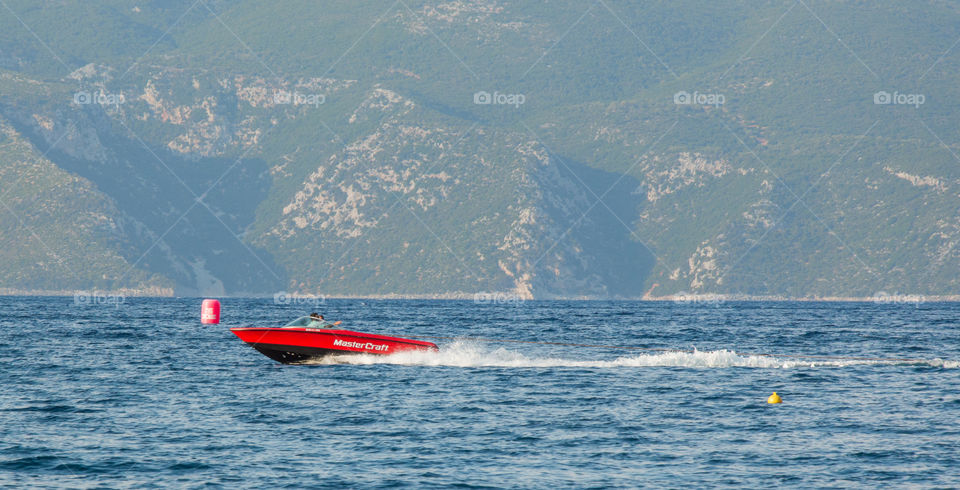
[(59, 232), (177, 224), (255, 150), (414, 202), (442, 207)]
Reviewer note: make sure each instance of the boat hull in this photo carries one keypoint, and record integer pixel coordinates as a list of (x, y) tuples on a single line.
[(295, 345)]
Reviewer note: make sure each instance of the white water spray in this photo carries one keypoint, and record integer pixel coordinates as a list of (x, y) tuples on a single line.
[(473, 354)]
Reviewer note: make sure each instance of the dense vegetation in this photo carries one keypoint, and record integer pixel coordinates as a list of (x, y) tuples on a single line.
[(337, 148)]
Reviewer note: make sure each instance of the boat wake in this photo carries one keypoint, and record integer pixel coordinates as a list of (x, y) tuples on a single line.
[(473, 354)]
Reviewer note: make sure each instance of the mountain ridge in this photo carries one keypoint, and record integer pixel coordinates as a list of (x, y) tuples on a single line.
[(253, 162)]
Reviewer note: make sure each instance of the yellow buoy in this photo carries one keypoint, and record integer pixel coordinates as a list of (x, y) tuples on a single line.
[(774, 398)]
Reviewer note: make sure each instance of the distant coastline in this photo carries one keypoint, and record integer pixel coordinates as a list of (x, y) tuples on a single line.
[(502, 297), (152, 292), (878, 298)]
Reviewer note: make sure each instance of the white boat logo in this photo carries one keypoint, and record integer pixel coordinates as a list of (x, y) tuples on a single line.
[(361, 345)]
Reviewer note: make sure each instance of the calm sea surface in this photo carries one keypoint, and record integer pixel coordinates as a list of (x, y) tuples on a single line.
[(140, 394)]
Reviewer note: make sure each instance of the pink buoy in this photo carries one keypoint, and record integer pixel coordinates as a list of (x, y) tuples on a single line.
[(210, 311)]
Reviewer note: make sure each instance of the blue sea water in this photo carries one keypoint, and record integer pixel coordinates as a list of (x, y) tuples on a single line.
[(140, 394)]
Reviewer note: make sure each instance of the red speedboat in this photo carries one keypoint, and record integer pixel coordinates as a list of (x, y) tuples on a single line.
[(307, 339)]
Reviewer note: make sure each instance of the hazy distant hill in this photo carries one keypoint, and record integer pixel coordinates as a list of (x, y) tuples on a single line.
[(561, 149)]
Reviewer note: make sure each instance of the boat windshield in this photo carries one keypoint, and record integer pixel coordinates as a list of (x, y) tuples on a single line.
[(306, 321)]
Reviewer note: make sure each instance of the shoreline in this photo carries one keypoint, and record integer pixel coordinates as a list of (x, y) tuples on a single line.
[(497, 297), (158, 292)]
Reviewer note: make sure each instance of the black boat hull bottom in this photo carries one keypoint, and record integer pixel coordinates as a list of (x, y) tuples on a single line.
[(293, 354)]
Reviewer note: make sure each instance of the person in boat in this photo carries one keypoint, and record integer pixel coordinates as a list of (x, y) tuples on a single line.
[(317, 321)]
